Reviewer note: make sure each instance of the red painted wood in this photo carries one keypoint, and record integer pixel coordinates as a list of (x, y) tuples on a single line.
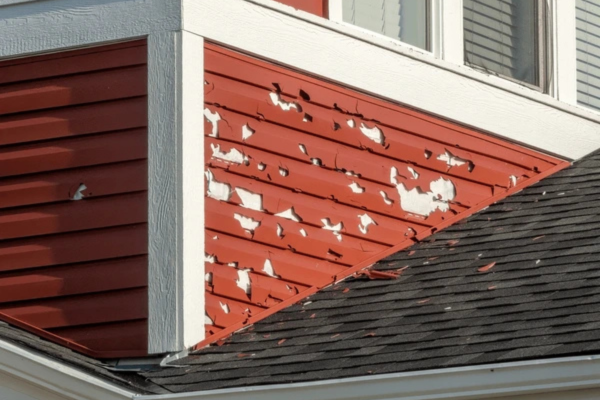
[(74, 279), (74, 216), (100, 180), (97, 244), (75, 89), (93, 308), (70, 153), (293, 141), (289, 266), (73, 198), (78, 62), (117, 339), (266, 290), (237, 312), (275, 200), (317, 7), (74, 121)]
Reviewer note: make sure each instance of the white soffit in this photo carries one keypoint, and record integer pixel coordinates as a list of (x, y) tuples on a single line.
[(380, 67)]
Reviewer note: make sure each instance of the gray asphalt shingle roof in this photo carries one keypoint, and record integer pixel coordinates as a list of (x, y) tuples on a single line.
[(520, 280)]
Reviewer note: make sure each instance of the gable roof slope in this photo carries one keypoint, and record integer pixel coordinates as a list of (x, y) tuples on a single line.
[(517, 281)]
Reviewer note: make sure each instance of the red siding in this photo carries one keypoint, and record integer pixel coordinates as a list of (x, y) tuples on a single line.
[(72, 268), (317, 7), (339, 159)]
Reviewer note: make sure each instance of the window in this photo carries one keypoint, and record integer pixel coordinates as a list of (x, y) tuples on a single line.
[(504, 37), (405, 20), (588, 52)]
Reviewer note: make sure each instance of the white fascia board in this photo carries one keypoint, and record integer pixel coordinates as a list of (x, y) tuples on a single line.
[(40, 377), (388, 69), (30, 27), (479, 382)]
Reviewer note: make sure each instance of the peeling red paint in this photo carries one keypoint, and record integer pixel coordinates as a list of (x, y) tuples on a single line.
[(322, 181), (487, 267)]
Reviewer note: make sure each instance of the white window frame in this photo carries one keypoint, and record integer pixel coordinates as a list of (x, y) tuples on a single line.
[(557, 52)]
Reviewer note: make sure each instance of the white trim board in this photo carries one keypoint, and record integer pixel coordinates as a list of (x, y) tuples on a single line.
[(388, 69), (176, 191)]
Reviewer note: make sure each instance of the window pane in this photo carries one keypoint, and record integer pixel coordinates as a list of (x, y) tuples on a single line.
[(405, 20), (588, 53), (501, 36)]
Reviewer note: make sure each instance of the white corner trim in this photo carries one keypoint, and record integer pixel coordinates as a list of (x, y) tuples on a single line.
[(192, 190), (43, 378), (176, 191), (390, 70), (478, 382), (28, 28)]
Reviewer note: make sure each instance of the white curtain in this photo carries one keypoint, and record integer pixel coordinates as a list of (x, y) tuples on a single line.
[(501, 37), (405, 20), (588, 53)]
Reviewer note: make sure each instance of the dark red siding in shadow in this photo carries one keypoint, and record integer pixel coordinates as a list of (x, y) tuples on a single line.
[(317, 7), (309, 182), (73, 197)]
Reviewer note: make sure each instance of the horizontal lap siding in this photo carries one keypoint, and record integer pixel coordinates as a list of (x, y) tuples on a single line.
[(73, 197), (296, 143)]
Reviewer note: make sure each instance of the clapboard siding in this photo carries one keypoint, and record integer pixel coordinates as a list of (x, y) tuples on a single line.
[(588, 53), (73, 197), (304, 182)]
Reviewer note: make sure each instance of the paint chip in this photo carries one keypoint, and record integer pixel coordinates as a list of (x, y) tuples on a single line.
[(250, 200), (452, 160), (351, 123), (279, 231), (284, 105), (243, 281), (233, 156), (356, 188), (224, 307), (210, 258), (303, 233), (336, 229), (208, 277), (214, 119), (217, 190), (307, 118), (247, 223), (418, 202), (513, 180), (289, 214), (386, 198), (269, 270), (233, 264), (247, 132), (415, 174), (261, 166), (78, 193), (283, 172), (208, 320), (303, 149), (365, 221), (316, 161), (375, 134), (486, 268), (428, 154)]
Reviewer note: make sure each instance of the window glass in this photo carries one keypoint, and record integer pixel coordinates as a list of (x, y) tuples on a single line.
[(405, 20), (588, 53), (501, 36)]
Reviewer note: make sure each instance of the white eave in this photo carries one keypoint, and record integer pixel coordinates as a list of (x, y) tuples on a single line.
[(41, 377)]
